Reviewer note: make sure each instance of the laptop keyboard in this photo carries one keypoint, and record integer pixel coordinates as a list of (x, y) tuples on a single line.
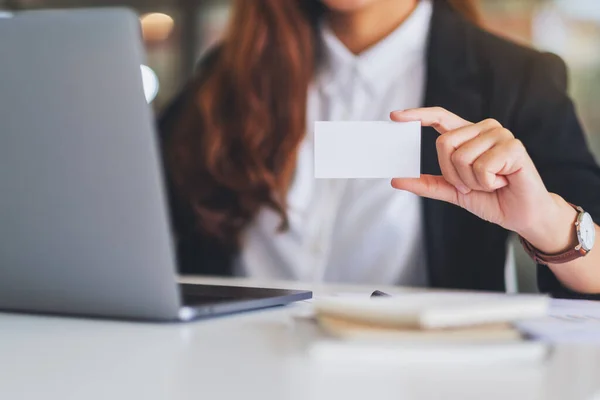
[(197, 295), (198, 300)]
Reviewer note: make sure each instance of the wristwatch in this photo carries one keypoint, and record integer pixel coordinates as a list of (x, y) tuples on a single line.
[(586, 236)]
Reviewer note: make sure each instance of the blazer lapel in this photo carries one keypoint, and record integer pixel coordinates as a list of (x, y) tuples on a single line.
[(452, 83)]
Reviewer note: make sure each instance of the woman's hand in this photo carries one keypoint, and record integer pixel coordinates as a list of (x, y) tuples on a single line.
[(488, 172)]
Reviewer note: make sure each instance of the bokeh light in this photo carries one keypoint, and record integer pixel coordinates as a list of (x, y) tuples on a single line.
[(157, 27), (151, 84)]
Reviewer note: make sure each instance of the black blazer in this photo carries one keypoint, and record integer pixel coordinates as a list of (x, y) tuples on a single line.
[(475, 75)]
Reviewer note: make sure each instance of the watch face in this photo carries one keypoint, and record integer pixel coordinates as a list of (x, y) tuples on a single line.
[(587, 232)]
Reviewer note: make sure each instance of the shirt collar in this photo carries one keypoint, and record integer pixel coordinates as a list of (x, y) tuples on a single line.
[(376, 66)]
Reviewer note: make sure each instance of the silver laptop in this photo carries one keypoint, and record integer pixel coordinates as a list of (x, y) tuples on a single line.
[(84, 222)]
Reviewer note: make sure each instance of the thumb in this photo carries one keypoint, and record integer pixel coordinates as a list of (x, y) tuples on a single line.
[(430, 186)]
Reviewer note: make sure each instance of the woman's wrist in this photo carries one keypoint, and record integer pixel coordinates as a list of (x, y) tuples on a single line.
[(554, 232)]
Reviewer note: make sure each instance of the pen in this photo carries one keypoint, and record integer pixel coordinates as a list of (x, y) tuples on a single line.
[(379, 293)]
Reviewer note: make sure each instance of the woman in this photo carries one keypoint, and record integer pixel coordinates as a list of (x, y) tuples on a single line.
[(238, 148)]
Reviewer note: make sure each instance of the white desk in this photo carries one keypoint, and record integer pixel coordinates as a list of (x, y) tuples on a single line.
[(259, 355)]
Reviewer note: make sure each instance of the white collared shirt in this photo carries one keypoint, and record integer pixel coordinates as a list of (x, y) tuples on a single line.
[(350, 231)]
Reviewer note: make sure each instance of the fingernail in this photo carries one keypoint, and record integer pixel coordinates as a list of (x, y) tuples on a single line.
[(463, 189), (395, 112)]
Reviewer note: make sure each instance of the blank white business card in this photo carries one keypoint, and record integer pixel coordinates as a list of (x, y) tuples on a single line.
[(367, 149)]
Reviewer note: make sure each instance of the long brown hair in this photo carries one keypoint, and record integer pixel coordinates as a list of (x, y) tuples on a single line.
[(233, 151)]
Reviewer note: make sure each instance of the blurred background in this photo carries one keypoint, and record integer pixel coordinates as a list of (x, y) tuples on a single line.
[(177, 32)]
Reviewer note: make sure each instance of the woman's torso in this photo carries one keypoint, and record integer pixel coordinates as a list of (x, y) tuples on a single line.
[(359, 231)]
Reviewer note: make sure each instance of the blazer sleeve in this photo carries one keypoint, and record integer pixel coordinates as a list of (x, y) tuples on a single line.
[(548, 126)]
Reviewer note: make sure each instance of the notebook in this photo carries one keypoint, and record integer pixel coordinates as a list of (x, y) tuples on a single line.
[(429, 316), (348, 330)]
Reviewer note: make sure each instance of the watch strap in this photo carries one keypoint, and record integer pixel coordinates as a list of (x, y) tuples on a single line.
[(543, 258)]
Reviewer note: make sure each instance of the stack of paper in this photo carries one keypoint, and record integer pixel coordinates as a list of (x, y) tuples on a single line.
[(431, 316)]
